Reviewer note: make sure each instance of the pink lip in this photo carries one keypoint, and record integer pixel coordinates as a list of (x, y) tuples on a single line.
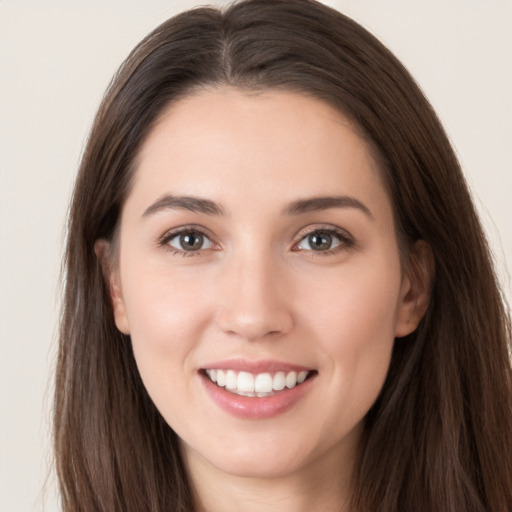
[(262, 366), (255, 407)]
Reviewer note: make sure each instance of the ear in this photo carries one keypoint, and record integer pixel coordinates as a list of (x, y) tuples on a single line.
[(415, 292), (110, 270)]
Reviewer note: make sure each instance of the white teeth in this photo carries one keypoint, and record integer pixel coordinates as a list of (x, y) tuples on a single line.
[(279, 381), (291, 380), (245, 382), (231, 380), (260, 385), (221, 378), (263, 383), (301, 377)]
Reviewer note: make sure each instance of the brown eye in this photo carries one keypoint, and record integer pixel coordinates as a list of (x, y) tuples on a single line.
[(320, 241), (323, 240), (190, 241)]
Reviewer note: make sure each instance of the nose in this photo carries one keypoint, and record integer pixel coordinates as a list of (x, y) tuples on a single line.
[(255, 303)]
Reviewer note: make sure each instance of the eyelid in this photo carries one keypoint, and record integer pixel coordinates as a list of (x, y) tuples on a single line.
[(164, 240), (346, 239)]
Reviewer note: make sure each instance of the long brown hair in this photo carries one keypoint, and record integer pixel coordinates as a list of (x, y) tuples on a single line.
[(438, 438)]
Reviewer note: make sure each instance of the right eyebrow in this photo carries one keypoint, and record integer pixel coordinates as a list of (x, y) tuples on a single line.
[(190, 203)]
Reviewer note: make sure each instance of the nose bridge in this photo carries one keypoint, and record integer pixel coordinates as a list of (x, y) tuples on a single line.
[(254, 305)]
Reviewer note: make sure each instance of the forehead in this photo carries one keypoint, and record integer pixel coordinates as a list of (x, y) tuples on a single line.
[(274, 144)]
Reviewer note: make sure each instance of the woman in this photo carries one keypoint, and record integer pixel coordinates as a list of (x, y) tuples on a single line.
[(278, 292)]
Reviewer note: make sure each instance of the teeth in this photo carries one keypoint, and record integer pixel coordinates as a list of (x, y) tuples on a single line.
[(260, 385), (231, 380), (279, 381), (301, 377), (291, 380), (263, 383), (245, 382), (221, 378)]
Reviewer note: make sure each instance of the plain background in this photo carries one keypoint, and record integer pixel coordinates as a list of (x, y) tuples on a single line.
[(56, 59)]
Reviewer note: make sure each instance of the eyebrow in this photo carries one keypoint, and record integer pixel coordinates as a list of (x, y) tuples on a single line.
[(208, 207), (190, 203), (315, 204)]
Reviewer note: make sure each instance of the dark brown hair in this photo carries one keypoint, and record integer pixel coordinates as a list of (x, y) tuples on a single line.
[(438, 438)]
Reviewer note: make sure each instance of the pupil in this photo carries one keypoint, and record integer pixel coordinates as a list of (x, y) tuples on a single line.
[(191, 241), (320, 241)]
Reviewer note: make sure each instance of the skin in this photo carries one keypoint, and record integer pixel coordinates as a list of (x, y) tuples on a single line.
[(257, 290)]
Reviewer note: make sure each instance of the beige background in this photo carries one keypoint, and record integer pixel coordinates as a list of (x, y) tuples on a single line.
[(56, 58)]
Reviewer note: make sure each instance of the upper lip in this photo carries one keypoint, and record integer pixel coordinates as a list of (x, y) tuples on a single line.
[(255, 367)]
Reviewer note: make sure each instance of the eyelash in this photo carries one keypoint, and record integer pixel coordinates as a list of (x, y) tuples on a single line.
[(346, 241), (170, 235)]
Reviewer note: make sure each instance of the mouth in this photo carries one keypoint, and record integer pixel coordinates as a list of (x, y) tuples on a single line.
[(256, 385), (257, 390)]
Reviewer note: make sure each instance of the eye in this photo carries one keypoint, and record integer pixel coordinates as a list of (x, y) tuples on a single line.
[(188, 241), (323, 240)]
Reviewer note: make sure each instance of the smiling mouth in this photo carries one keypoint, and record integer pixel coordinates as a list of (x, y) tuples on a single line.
[(258, 385)]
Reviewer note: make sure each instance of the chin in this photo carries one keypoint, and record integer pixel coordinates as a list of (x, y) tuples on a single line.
[(278, 465)]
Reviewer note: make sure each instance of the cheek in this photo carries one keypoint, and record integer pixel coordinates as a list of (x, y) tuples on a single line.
[(167, 318), (355, 336), (354, 302), (163, 307), (353, 318)]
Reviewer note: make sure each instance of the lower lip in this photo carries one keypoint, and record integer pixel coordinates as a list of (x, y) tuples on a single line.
[(256, 407)]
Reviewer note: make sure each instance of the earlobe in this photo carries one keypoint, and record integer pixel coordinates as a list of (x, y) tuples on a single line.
[(103, 251), (416, 288)]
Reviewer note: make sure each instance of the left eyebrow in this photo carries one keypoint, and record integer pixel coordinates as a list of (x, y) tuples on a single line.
[(315, 204), (193, 204)]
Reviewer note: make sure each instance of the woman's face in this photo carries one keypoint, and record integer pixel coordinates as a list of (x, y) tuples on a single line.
[(258, 275)]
